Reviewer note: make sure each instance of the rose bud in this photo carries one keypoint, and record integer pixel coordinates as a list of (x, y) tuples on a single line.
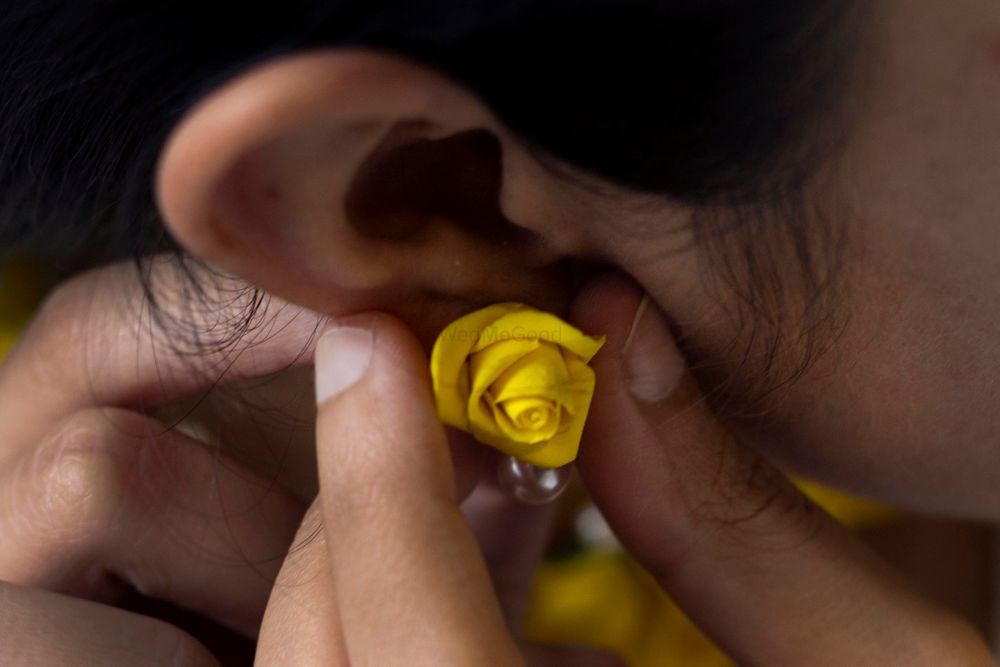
[(517, 379)]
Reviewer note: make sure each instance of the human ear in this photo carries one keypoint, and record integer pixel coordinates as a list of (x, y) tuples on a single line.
[(342, 180)]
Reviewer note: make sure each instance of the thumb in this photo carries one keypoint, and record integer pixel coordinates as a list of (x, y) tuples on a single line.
[(410, 583), (759, 567)]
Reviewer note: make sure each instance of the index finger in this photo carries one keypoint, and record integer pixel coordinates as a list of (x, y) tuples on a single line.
[(96, 342)]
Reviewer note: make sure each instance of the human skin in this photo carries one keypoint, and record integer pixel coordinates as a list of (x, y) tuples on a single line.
[(903, 408), (901, 405), (899, 408)]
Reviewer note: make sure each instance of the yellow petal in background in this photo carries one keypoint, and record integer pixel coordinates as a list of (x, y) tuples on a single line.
[(570, 603)]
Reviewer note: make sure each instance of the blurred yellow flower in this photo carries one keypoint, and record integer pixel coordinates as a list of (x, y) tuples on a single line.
[(517, 379)]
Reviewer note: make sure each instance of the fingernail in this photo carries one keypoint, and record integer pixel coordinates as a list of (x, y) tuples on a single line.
[(342, 357), (653, 363)]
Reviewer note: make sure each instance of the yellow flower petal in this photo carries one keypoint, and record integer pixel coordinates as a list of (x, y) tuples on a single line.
[(539, 373), (449, 372), (516, 379), (528, 420), (526, 323), (484, 368), (581, 384), (562, 448)]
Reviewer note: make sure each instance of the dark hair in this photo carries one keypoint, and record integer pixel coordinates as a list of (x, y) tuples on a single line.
[(718, 103)]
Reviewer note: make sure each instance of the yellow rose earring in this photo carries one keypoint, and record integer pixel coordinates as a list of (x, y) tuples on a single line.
[(517, 379)]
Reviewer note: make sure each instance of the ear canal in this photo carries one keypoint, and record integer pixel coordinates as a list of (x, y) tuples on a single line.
[(414, 180)]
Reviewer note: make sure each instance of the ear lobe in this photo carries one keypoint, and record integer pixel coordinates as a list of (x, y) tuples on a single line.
[(336, 173)]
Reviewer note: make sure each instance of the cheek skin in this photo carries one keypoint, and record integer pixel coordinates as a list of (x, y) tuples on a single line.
[(928, 361), (902, 407), (905, 406), (909, 409), (892, 416)]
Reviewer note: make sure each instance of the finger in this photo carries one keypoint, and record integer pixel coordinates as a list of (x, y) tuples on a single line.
[(539, 655), (95, 342), (302, 603), (758, 566), (513, 537), (45, 628), (114, 497), (301, 625), (411, 585)]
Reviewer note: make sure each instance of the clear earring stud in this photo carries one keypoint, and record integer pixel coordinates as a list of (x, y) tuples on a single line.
[(531, 484)]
